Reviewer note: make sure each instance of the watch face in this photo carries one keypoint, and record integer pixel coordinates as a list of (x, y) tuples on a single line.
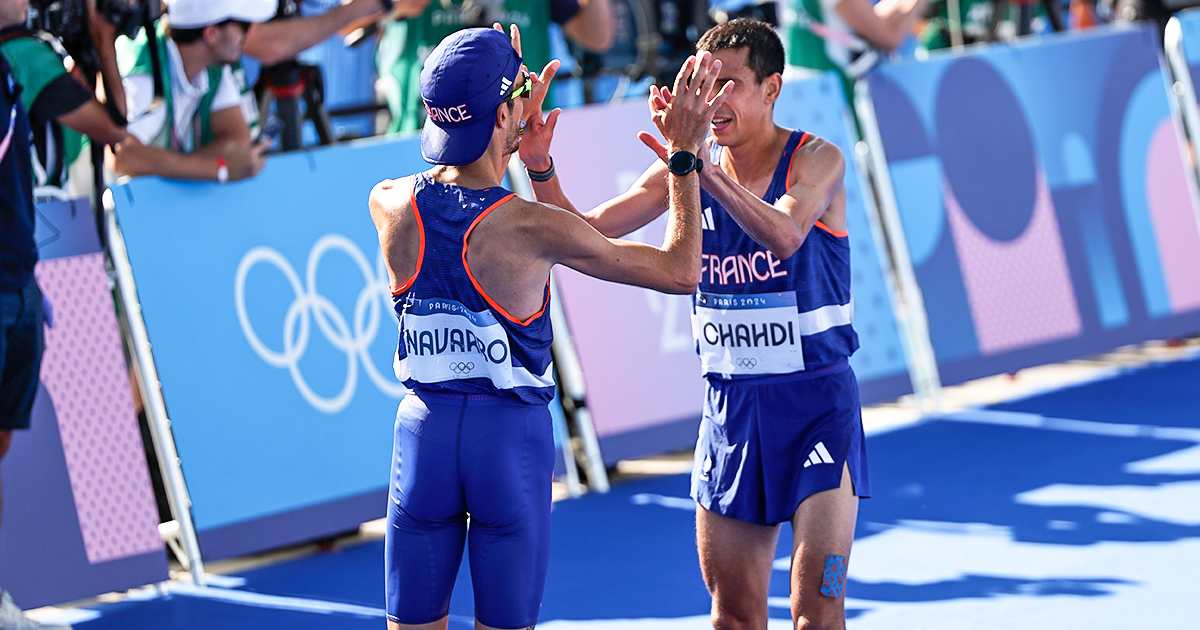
[(682, 163)]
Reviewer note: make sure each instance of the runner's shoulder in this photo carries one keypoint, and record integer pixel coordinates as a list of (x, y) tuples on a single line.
[(390, 195), (815, 147)]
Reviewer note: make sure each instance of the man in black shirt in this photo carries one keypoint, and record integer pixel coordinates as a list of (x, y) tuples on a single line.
[(21, 314)]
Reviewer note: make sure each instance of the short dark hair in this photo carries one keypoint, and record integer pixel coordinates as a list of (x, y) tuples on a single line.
[(765, 56), (185, 35)]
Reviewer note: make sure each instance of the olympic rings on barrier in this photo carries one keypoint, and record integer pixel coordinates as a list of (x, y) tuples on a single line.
[(746, 363), (310, 305), (462, 368)]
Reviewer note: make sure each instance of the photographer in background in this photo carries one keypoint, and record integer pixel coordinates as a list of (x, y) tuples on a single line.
[(197, 129), (61, 106)]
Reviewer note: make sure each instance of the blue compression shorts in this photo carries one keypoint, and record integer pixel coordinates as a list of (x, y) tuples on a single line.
[(767, 444), (462, 459)]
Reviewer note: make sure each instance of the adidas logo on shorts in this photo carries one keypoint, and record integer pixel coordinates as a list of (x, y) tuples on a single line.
[(819, 455)]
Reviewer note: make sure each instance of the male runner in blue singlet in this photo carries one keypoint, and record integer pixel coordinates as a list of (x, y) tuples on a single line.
[(781, 436), (469, 263)]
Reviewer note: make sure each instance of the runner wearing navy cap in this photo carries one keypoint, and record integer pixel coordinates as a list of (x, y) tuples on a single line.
[(469, 264)]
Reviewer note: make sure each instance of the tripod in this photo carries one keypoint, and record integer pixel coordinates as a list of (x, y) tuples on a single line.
[(286, 83)]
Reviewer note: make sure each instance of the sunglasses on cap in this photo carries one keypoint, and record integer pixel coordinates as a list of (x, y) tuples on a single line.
[(524, 90)]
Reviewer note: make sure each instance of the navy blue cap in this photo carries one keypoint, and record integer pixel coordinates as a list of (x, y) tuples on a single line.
[(463, 81)]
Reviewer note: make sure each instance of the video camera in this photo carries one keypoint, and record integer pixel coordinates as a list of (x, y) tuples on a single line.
[(68, 21)]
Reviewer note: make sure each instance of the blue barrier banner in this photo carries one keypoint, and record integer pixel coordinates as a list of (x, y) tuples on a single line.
[(79, 511), (1044, 198), (268, 309)]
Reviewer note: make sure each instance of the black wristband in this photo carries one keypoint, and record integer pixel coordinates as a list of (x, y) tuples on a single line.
[(541, 176), (388, 5)]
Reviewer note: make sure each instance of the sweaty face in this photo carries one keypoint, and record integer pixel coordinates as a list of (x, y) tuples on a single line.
[(747, 103)]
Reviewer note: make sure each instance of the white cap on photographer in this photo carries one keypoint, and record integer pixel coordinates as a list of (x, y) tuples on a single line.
[(201, 13)]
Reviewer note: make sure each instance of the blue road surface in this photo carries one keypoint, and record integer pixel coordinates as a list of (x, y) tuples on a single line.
[(1078, 508)]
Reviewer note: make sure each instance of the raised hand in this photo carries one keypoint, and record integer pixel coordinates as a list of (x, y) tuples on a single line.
[(683, 115), (539, 128)]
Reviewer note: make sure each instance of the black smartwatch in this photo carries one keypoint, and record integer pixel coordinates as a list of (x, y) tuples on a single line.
[(683, 162)]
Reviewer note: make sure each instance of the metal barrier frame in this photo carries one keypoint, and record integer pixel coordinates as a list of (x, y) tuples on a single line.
[(142, 360)]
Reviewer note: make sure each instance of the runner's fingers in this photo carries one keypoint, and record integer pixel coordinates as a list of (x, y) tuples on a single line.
[(552, 119), (721, 96), (657, 102), (710, 82), (685, 71), (548, 73), (699, 72), (649, 140), (541, 84)]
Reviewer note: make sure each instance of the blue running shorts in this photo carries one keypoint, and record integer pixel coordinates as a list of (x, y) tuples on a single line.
[(21, 345), (473, 470), (767, 444)]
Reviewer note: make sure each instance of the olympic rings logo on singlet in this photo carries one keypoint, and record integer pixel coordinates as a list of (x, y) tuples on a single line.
[(462, 368), (747, 333), (444, 341)]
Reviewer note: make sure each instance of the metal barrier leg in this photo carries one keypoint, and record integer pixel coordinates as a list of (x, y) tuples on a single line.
[(156, 408), (911, 317)]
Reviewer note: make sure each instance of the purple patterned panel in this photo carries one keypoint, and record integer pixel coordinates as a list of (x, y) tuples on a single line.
[(1019, 290), (84, 371)]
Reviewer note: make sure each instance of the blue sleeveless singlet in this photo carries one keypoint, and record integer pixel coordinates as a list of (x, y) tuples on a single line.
[(755, 315), (453, 337)]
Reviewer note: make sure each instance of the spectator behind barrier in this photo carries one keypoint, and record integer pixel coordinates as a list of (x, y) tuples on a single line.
[(280, 40), (840, 34), (406, 43), (54, 99), (195, 128)]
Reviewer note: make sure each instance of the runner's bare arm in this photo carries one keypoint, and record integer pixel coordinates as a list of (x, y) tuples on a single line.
[(565, 238), (813, 187), (675, 266), (641, 204), (399, 232)]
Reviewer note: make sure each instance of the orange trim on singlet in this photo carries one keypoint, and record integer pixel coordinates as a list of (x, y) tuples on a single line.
[(475, 282), (412, 195), (788, 178), (842, 234)]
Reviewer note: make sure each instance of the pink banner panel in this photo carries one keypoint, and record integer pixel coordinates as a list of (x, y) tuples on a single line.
[(635, 345), (1020, 291), (1174, 219), (85, 373)]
